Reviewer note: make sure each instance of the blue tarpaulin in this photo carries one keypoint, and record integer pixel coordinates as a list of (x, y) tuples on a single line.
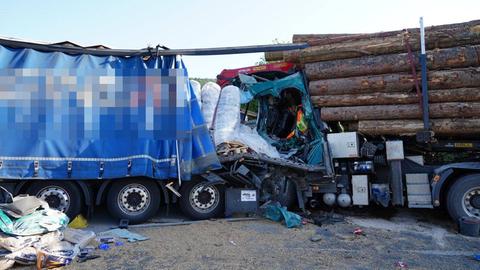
[(87, 117)]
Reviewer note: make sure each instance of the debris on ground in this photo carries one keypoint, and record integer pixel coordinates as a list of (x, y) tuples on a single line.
[(401, 265), (79, 222), (39, 222), (325, 218), (358, 231), (227, 148), (104, 246), (78, 237), (34, 234), (22, 205), (476, 257), (87, 258), (123, 233), (55, 255), (316, 238), (278, 213)]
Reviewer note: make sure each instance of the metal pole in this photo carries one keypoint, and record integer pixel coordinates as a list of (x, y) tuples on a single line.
[(423, 64), (147, 51)]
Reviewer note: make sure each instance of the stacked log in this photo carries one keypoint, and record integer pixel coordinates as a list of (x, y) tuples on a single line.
[(333, 47), (395, 82), (366, 81)]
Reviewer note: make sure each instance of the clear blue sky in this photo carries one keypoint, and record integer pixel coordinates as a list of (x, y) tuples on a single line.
[(214, 23)]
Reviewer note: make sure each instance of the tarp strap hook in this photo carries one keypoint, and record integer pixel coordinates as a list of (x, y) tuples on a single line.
[(69, 168), (36, 166), (1, 164), (102, 169), (129, 167)]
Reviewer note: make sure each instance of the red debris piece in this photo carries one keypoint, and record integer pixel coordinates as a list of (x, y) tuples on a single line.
[(401, 265), (358, 231)]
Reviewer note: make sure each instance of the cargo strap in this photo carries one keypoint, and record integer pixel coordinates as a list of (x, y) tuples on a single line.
[(406, 39)]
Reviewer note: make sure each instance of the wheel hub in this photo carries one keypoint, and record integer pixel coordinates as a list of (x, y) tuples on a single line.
[(53, 201), (134, 199), (475, 201), (56, 197), (471, 202), (204, 199)]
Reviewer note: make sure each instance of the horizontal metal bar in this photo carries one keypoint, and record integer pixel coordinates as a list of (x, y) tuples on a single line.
[(144, 52), (69, 49), (236, 50)]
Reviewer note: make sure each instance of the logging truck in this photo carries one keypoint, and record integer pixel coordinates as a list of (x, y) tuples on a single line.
[(354, 170)]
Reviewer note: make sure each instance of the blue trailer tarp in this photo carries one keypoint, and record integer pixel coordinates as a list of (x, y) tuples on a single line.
[(88, 117)]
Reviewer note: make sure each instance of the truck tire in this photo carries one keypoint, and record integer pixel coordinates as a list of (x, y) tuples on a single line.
[(136, 200), (463, 198), (199, 202), (61, 195)]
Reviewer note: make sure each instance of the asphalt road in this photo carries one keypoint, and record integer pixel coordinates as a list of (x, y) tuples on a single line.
[(419, 239)]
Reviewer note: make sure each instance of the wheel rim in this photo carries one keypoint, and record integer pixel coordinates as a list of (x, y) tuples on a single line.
[(471, 202), (204, 199), (56, 197), (134, 199)]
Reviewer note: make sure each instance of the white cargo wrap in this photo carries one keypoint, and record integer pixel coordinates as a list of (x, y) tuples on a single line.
[(197, 90), (210, 94)]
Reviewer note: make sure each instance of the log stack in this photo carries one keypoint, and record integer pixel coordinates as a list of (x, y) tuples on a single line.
[(367, 81)]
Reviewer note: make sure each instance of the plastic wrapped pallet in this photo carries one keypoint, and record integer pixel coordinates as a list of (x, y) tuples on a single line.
[(227, 119), (210, 94), (197, 90)]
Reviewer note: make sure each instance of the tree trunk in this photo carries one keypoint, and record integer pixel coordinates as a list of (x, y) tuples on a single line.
[(314, 39), (407, 111), (392, 63), (274, 56), (396, 82), (458, 126), (278, 56), (342, 46), (435, 96), (320, 39)]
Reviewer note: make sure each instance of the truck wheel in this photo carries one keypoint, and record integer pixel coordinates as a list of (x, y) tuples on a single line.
[(202, 202), (61, 195), (135, 200), (463, 198)]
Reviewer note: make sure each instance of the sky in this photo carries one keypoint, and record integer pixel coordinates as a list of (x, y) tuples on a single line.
[(215, 23)]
